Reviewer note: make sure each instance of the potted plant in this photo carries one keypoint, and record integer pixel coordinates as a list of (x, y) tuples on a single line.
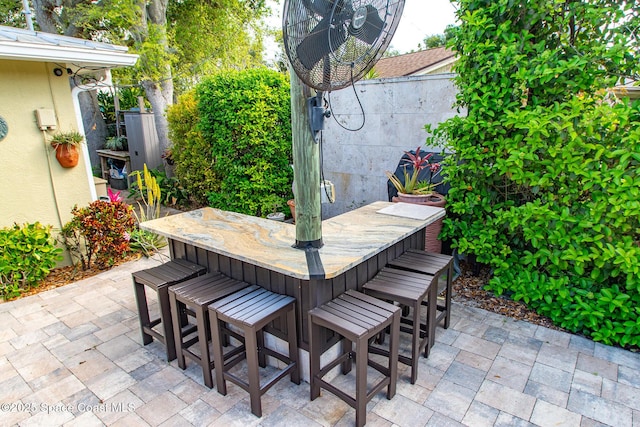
[(66, 146), (116, 143), (412, 189), (276, 215)]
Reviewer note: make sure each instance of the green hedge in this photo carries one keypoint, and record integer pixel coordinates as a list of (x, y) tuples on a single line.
[(246, 117), (191, 152), (544, 184)]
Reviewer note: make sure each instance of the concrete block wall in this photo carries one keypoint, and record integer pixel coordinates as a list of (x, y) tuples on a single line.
[(396, 111)]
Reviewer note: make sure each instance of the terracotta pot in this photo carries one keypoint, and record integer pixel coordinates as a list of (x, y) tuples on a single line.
[(67, 155), (431, 242), (292, 208), (433, 199)]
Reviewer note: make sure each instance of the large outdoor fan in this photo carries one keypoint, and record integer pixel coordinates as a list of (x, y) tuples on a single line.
[(332, 43)]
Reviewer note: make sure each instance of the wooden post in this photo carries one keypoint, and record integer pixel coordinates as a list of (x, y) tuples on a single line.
[(306, 169)]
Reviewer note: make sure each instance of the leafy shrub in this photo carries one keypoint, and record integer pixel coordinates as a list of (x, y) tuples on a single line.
[(191, 153), (98, 235), (544, 182), (27, 254), (246, 117)]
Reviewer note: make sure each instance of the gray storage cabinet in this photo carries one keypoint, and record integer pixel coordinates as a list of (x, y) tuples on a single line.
[(143, 140)]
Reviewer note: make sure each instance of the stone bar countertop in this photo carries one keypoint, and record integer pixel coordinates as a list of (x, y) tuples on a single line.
[(349, 239)]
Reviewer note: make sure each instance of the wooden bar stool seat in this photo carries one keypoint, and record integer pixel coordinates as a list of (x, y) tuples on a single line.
[(412, 290), (194, 296), (435, 265), (358, 318), (159, 279), (250, 310)]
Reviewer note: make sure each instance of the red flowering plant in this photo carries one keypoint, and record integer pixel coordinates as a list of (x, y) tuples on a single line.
[(114, 196), (411, 184)]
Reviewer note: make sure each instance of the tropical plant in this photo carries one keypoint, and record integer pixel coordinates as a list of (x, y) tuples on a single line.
[(98, 234), (116, 143), (151, 195), (114, 196), (416, 162), (67, 138)]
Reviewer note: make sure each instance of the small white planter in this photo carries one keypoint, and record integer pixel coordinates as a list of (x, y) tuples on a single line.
[(276, 216)]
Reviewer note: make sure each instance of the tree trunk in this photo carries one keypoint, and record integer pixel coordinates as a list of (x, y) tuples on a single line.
[(95, 129), (45, 17), (160, 95)]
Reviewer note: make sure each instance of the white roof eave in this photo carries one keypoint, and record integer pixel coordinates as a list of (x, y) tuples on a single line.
[(51, 53)]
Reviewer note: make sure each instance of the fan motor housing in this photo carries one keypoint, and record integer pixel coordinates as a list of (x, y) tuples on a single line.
[(333, 43)]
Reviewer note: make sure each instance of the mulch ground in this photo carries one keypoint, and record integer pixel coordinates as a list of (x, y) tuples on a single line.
[(64, 275), (468, 289)]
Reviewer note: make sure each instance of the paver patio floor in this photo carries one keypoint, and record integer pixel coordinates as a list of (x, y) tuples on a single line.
[(73, 356)]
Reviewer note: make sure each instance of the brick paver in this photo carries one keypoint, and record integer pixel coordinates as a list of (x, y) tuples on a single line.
[(72, 356)]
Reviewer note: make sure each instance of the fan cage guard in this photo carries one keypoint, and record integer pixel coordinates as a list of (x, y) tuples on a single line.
[(333, 43)]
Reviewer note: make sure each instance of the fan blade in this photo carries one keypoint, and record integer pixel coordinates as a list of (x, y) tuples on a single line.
[(316, 46), (372, 27)]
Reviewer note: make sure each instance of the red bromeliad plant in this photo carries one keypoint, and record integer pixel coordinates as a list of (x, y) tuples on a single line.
[(411, 183), (114, 196)]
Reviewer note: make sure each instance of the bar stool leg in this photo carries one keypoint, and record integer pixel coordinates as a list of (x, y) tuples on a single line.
[(347, 347), (143, 310), (314, 359), (292, 338), (361, 381), (262, 358), (394, 346), (251, 344), (432, 311), (415, 346), (447, 318), (218, 361), (205, 357), (177, 307), (167, 322)]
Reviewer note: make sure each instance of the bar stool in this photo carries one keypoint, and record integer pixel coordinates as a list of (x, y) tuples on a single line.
[(358, 318), (159, 279), (250, 310), (435, 265), (194, 296), (412, 290)]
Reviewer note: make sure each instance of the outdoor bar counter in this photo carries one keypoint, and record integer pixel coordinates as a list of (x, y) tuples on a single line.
[(357, 244)]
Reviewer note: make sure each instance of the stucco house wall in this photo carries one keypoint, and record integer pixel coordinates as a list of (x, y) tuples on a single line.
[(36, 69), (34, 186), (396, 111)]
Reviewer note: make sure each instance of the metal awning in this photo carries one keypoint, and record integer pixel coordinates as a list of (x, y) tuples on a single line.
[(25, 45)]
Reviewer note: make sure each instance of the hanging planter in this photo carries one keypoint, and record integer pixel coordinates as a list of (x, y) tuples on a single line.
[(66, 146)]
